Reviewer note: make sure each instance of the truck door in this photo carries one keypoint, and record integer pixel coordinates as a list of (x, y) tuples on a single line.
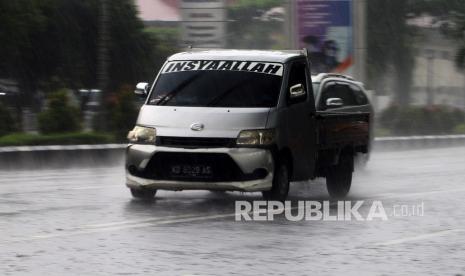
[(300, 121), (344, 98)]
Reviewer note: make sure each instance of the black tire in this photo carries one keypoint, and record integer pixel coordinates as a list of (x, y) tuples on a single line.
[(281, 182), (143, 194), (339, 177)]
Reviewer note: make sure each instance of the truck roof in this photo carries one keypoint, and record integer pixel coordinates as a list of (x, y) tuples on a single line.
[(238, 55), (335, 76), (322, 76)]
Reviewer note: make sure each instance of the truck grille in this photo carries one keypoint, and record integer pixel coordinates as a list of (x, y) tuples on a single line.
[(195, 142), (221, 168)]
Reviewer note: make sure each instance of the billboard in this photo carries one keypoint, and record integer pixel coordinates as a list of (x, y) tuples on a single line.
[(324, 27)]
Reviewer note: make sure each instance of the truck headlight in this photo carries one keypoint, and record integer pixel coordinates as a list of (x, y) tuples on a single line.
[(142, 134), (256, 137)]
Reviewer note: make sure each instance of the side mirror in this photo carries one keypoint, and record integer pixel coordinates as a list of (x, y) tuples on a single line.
[(142, 89), (297, 91), (334, 102)]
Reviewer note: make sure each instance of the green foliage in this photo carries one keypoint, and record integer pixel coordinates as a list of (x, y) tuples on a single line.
[(7, 124), (389, 42), (389, 39), (456, 30), (167, 38), (460, 129), (60, 116), (256, 4), (131, 49), (421, 120), (79, 138), (56, 39), (123, 112), (382, 132), (454, 12), (166, 43), (246, 30), (460, 58), (436, 7)]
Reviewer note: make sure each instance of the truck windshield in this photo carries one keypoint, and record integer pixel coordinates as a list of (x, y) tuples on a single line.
[(216, 88)]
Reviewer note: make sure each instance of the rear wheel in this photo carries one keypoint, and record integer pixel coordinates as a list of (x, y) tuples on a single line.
[(339, 178), (280, 187), (143, 193)]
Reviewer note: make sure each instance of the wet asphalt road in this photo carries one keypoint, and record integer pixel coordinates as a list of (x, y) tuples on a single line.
[(82, 221)]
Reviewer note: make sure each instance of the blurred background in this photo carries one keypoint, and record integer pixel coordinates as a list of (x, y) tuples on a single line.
[(68, 67)]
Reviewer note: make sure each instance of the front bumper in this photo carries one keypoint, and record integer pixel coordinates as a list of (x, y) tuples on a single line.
[(248, 160)]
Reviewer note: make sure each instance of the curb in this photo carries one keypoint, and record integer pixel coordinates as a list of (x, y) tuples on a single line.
[(62, 148), (38, 157), (55, 157), (378, 142), (418, 142), (426, 137)]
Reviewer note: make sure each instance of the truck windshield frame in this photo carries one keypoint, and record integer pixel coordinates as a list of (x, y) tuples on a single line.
[(242, 87)]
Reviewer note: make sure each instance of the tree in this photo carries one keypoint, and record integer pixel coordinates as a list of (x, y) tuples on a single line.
[(23, 27), (389, 46), (132, 53), (123, 112), (7, 124), (456, 29), (166, 43), (245, 27), (58, 40), (390, 39), (60, 116)]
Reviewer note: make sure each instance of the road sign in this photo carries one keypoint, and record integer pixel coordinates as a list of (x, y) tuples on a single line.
[(203, 23)]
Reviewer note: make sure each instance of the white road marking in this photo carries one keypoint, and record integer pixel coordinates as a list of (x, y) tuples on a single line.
[(393, 195), (81, 231), (137, 221), (93, 187), (122, 225), (420, 237), (151, 222)]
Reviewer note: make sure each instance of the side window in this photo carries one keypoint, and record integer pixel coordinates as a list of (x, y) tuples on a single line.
[(360, 97), (337, 90), (329, 91), (347, 95), (297, 75)]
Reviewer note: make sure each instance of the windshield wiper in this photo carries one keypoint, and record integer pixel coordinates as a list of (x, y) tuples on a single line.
[(165, 99)]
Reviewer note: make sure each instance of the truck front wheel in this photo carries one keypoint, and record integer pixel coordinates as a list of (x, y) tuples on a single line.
[(339, 177), (280, 187)]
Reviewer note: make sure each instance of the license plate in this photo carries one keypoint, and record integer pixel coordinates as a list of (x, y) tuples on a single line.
[(196, 171)]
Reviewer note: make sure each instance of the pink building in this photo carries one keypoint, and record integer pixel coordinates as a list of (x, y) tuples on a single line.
[(159, 10)]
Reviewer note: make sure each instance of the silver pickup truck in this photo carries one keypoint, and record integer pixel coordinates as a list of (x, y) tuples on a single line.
[(241, 120)]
